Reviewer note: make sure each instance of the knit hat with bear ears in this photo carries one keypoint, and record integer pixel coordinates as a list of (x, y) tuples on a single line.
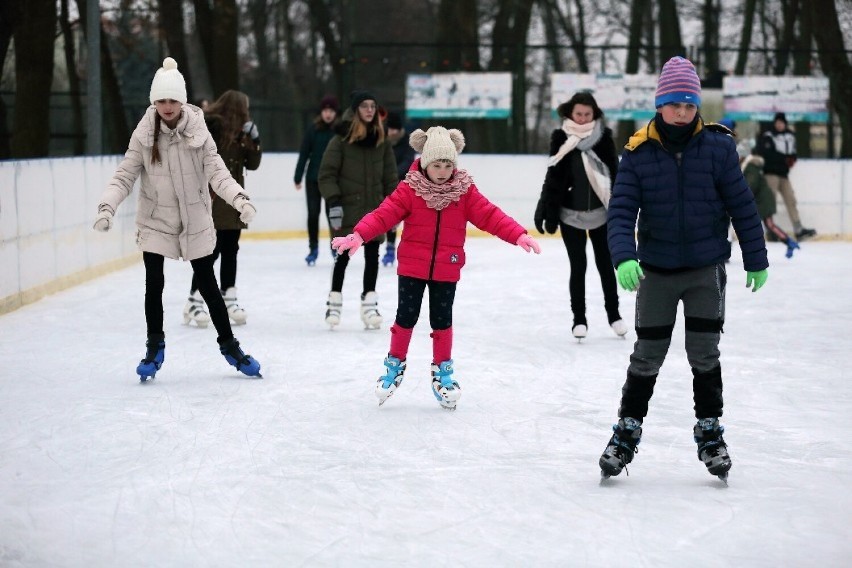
[(168, 83), (437, 143)]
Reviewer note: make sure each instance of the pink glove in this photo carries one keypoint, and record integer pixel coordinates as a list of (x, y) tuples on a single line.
[(351, 242), (528, 243)]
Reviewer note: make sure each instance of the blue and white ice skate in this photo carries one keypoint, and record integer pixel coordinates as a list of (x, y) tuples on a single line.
[(155, 354), (246, 364), (387, 384), (444, 387)]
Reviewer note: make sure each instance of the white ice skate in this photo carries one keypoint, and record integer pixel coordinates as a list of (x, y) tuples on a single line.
[(235, 312), (580, 331), (386, 385), (194, 311), (619, 327), (334, 304), (370, 311), (444, 387)]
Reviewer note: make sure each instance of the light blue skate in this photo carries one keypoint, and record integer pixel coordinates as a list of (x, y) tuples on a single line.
[(386, 385), (444, 387)]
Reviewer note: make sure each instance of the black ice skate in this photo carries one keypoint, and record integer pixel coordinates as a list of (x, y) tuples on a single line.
[(712, 449), (621, 447)]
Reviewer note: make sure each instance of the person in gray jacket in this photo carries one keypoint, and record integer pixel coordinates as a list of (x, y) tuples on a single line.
[(174, 156)]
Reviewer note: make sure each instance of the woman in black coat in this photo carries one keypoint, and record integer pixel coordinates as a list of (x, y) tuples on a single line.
[(574, 198)]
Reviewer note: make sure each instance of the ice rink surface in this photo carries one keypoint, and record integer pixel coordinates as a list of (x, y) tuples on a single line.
[(205, 467)]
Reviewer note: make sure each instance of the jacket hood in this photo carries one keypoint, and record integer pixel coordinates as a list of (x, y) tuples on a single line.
[(190, 126)]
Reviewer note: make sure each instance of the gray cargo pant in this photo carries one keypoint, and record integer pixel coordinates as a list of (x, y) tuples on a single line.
[(702, 291)]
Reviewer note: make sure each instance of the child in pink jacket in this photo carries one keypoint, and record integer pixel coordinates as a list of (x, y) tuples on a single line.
[(436, 201)]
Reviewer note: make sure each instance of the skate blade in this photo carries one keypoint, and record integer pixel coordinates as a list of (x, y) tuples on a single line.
[(724, 478)]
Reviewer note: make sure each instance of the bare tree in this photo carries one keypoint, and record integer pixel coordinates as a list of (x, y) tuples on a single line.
[(217, 27), (671, 43), (171, 29), (73, 79), (10, 11), (835, 64), (34, 40), (745, 37)]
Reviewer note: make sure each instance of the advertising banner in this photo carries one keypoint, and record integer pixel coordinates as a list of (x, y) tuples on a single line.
[(621, 97), (759, 97), (459, 95)]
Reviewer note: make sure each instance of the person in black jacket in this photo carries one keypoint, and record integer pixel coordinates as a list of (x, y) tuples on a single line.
[(574, 198), (310, 154), (777, 146)]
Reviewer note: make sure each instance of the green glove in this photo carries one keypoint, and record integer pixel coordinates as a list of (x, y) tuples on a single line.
[(629, 275), (755, 280)]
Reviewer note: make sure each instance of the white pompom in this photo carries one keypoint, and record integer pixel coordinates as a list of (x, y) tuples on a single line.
[(169, 63)]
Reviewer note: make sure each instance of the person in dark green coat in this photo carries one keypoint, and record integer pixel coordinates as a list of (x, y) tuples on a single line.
[(752, 166), (357, 172), (238, 142), (310, 154)]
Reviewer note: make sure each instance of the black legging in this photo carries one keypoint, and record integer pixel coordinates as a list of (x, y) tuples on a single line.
[(202, 269), (371, 268), (410, 299), (227, 245), (314, 199), (575, 244)]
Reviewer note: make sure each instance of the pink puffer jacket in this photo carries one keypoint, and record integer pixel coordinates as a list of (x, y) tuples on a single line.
[(432, 243)]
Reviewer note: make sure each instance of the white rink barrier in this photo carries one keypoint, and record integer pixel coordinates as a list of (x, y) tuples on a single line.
[(47, 208)]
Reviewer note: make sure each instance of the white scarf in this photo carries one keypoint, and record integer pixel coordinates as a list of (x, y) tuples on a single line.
[(584, 137)]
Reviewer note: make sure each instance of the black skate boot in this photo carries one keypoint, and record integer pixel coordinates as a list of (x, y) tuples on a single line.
[(712, 449), (155, 354), (621, 447)]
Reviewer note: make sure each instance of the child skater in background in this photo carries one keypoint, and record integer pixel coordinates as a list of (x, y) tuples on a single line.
[(681, 178), (752, 166), (436, 201), (175, 156)]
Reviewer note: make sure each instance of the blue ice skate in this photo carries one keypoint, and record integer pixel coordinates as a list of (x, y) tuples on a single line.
[(155, 354), (387, 384), (246, 364), (390, 255), (444, 387), (792, 246), (311, 259)]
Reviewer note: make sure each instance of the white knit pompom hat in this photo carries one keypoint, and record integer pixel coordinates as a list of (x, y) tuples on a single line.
[(168, 83), (437, 143)]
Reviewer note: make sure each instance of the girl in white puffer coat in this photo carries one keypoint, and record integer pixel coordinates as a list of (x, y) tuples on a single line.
[(173, 154)]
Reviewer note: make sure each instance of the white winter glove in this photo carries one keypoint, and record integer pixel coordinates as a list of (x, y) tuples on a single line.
[(250, 129), (103, 222), (246, 209), (335, 217)]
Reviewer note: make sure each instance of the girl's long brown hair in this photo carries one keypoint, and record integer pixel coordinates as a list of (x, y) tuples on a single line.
[(155, 151), (358, 129), (232, 111)]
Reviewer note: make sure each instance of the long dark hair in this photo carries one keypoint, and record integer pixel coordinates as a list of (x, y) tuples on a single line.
[(231, 109), (580, 98), (155, 151)]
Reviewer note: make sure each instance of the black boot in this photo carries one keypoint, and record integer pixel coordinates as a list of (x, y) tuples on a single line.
[(712, 449), (621, 447)]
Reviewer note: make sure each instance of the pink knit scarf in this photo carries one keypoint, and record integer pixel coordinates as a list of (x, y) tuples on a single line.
[(439, 195)]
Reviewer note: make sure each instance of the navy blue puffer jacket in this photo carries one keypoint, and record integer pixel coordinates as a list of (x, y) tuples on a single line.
[(683, 208)]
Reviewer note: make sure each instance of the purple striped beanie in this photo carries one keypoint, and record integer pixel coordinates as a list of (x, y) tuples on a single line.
[(679, 83)]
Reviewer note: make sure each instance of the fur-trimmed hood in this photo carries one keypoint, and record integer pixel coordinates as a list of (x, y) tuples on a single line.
[(190, 127)]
